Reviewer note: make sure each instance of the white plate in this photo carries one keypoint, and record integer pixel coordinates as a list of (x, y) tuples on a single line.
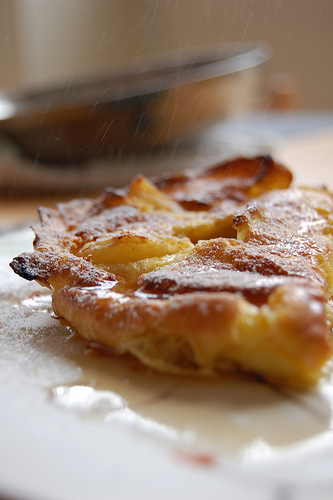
[(75, 425)]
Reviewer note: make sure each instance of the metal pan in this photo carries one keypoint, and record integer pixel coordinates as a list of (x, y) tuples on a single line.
[(145, 105)]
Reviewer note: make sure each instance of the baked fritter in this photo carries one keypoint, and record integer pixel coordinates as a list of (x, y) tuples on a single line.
[(227, 268)]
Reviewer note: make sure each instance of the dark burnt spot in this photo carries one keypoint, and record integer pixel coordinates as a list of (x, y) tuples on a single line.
[(23, 268)]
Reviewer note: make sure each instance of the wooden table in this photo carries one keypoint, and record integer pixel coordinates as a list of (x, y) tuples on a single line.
[(309, 156), (22, 211)]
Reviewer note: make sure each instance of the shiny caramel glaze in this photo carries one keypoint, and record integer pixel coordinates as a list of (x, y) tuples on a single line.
[(226, 268)]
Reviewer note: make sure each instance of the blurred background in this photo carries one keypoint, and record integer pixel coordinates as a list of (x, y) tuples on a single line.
[(43, 41), (47, 43)]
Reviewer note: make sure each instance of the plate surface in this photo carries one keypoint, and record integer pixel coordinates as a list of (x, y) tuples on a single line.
[(77, 423)]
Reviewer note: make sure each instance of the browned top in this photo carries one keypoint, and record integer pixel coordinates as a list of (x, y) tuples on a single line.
[(220, 252)]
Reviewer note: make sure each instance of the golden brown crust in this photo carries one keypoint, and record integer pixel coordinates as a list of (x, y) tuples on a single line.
[(201, 272), (205, 333)]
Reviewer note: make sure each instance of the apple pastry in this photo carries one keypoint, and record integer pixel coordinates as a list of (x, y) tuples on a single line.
[(226, 268)]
